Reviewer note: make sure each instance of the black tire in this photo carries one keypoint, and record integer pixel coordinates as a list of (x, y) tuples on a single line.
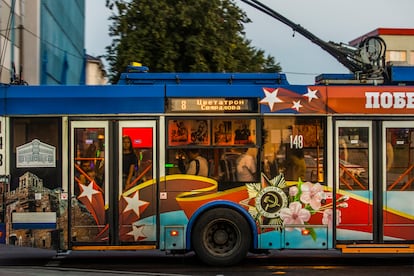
[(221, 237)]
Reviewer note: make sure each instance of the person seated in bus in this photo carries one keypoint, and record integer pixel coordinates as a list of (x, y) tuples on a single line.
[(246, 167), (129, 162), (198, 165), (270, 167), (296, 165), (86, 173)]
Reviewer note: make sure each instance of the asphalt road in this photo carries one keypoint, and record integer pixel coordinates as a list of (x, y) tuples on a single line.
[(16, 261)]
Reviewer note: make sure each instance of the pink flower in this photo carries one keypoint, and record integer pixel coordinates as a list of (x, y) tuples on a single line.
[(293, 191), (294, 215), (312, 194), (327, 217)]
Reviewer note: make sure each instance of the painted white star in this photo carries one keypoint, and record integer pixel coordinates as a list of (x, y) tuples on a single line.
[(137, 232), (134, 203), (271, 98), (88, 191), (311, 95), (296, 105)]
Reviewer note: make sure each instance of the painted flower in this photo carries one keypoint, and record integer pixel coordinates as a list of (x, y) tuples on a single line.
[(327, 217), (342, 205), (295, 214), (312, 194), (293, 191)]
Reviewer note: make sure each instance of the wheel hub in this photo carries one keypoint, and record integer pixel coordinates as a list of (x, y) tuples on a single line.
[(220, 237)]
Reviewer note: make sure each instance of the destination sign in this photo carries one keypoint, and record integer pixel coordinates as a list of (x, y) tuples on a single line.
[(213, 105)]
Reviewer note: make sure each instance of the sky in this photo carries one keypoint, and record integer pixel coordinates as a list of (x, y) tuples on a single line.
[(301, 60)]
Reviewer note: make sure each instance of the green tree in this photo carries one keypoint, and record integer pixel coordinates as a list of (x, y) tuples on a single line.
[(183, 36)]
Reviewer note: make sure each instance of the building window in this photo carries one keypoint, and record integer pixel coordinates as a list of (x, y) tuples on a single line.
[(412, 57), (399, 56)]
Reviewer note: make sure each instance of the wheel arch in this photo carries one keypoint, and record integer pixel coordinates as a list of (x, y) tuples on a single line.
[(220, 204)]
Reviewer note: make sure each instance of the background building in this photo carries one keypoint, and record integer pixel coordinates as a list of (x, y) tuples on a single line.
[(400, 44), (95, 71), (44, 39)]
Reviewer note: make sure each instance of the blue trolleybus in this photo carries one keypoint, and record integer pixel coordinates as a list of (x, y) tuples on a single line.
[(118, 167)]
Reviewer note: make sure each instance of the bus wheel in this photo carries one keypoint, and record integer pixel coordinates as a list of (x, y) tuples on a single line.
[(221, 237)]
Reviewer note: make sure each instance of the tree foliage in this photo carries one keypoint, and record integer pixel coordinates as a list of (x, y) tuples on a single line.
[(182, 36)]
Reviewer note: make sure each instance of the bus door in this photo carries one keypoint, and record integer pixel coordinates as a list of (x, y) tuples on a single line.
[(354, 181), (375, 181), (398, 181), (109, 208), (137, 191)]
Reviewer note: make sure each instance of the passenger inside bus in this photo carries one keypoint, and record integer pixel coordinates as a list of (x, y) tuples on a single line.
[(129, 162), (87, 173), (295, 165), (246, 167), (198, 165), (228, 166), (238, 165)]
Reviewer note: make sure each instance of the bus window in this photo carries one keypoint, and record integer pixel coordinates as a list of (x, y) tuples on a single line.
[(294, 147), (223, 142)]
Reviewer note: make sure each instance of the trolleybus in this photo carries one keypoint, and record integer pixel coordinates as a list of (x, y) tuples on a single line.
[(330, 166)]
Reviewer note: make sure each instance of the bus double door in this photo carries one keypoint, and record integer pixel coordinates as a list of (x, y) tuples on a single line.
[(112, 183), (374, 179)]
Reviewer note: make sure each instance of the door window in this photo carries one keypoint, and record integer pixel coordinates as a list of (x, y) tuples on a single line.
[(398, 187), (89, 186), (353, 158), (399, 158), (354, 188), (136, 204)]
